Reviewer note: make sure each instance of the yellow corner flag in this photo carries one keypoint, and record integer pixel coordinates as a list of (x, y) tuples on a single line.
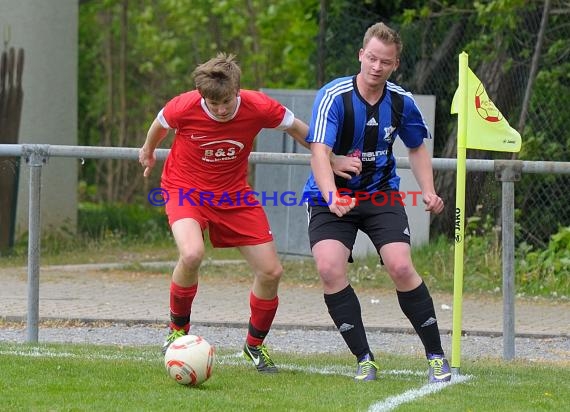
[(479, 126), (487, 129)]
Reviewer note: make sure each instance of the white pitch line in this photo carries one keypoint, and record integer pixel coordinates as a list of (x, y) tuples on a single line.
[(233, 360), (45, 353), (237, 359), (411, 395)]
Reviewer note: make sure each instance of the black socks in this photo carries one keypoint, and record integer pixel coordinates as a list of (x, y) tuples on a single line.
[(418, 307), (344, 309)]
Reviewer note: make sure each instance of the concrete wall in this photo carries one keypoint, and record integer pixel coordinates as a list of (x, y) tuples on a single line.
[(289, 223), (47, 31)]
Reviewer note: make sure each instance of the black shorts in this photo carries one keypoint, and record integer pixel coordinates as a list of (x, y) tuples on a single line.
[(383, 224)]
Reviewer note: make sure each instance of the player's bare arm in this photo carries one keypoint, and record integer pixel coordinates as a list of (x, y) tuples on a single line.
[(420, 163), (321, 166), (343, 166), (147, 157), (299, 131)]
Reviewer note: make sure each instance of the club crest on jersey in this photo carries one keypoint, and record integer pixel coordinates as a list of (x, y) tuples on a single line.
[(388, 133), (221, 150)]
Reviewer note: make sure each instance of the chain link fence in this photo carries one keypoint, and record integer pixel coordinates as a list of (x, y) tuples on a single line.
[(522, 58)]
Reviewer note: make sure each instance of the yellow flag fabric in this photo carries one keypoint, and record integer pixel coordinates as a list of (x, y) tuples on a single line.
[(487, 128)]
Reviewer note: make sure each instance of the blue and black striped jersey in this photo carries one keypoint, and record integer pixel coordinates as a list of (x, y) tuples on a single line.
[(344, 121)]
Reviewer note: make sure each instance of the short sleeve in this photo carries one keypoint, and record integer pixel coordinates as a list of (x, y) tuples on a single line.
[(413, 128)]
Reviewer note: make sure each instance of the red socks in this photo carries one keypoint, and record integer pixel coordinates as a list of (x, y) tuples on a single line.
[(181, 299), (262, 314)]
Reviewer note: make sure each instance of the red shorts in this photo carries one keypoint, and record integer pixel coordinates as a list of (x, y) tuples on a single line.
[(229, 223)]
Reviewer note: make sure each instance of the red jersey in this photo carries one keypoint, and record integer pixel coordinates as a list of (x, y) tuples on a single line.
[(212, 156)]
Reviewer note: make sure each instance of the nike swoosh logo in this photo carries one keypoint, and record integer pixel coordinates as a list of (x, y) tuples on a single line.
[(193, 137), (254, 359)]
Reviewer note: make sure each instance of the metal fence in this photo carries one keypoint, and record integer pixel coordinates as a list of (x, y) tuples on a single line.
[(507, 171)]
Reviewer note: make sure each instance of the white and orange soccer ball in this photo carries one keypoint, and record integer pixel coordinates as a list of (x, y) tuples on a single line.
[(189, 360)]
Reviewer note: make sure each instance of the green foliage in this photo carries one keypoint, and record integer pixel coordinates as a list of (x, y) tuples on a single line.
[(482, 264), (499, 14), (54, 240), (105, 233), (541, 201), (134, 221), (131, 63), (540, 272), (482, 260), (547, 271), (288, 56), (553, 80)]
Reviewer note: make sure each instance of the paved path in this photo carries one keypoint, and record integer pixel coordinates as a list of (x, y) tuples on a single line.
[(99, 292)]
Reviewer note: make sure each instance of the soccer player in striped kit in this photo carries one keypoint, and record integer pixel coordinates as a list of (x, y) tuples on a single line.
[(361, 116)]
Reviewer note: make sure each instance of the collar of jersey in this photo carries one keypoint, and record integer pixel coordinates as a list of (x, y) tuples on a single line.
[(211, 116)]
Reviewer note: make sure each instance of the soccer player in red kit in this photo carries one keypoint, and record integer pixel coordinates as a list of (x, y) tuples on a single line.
[(205, 177)]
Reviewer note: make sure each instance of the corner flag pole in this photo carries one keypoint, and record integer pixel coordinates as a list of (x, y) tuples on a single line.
[(459, 214)]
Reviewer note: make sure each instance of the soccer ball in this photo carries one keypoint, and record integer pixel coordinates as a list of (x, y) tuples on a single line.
[(189, 360)]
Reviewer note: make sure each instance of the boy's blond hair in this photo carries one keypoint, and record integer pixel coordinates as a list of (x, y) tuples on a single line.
[(218, 78)]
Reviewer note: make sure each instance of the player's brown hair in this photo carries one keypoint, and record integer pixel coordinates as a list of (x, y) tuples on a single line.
[(385, 34), (218, 78)]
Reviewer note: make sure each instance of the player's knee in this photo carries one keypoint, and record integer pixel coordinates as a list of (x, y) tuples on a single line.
[(400, 271), (192, 258), (329, 269), (275, 273), (271, 275)]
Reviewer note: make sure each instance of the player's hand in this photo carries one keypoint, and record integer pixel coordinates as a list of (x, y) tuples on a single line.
[(341, 204), (346, 167), (433, 202), (147, 159)]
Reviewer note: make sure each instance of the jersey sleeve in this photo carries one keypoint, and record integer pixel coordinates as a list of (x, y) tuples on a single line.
[(287, 121), (167, 116), (325, 120), (163, 122), (270, 113), (170, 114), (413, 128)]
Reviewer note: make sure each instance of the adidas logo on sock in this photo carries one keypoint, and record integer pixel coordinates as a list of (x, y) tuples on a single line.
[(345, 327), (428, 322)]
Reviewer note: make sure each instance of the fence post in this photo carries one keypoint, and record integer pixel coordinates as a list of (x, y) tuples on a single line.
[(508, 172), (36, 156)]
